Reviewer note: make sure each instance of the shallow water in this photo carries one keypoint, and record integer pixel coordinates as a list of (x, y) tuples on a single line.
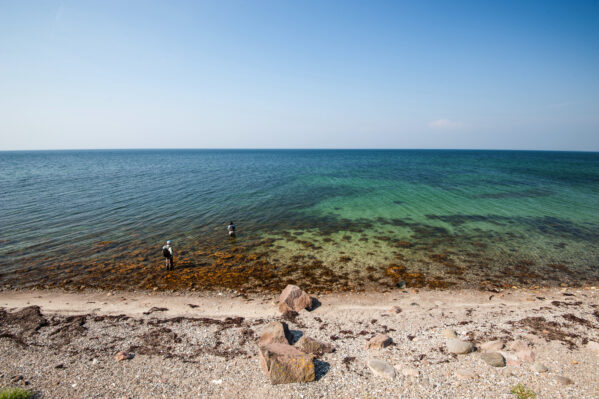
[(333, 220)]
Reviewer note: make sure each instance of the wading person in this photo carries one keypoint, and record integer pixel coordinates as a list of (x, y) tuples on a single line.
[(231, 229), (167, 252)]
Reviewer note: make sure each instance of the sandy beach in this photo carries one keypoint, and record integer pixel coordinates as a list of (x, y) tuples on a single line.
[(63, 345)]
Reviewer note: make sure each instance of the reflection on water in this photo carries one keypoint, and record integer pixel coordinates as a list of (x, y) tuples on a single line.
[(328, 220)]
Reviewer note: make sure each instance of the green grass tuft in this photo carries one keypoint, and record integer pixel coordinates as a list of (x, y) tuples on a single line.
[(522, 392), (15, 393)]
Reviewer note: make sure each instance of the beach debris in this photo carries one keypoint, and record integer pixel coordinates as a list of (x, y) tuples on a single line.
[(563, 380), (492, 346), (459, 347), (493, 359), (539, 367), (275, 332), (285, 364), (379, 341), (395, 309), (28, 320), (294, 299), (155, 309), (381, 368), (122, 355), (464, 374), (313, 346), (449, 333)]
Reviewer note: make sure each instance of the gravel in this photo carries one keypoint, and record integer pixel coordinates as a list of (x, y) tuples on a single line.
[(210, 351)]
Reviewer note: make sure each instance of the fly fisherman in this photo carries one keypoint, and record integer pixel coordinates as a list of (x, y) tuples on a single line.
[(167, 252)]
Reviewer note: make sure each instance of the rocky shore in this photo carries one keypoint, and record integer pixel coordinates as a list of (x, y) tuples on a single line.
[(401, 343)]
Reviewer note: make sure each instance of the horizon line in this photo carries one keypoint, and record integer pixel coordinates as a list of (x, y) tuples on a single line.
[(290, 149)]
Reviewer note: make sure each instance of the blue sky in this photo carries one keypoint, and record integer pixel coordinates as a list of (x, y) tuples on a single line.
[(299, 74)]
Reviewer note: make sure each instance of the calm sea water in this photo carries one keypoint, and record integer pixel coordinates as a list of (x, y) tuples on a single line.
[(488, 214)]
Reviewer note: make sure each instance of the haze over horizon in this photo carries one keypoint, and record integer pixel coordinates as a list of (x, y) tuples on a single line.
[(267, 74)]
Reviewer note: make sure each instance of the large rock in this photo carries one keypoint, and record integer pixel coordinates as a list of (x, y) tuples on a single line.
[(379, 341), (381, 368), (293, 299), (460, 347), (493, 359), (284, 364), (310, 345), (275, 332)]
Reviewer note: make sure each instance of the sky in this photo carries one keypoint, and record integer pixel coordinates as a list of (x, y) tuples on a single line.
[(299, 74)]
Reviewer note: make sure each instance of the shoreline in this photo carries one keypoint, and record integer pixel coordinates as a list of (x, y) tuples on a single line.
[(209, 349)]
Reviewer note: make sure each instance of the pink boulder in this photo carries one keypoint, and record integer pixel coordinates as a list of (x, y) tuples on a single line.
[(293, 299)]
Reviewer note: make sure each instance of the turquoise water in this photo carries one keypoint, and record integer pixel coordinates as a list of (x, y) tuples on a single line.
[(489, 214)]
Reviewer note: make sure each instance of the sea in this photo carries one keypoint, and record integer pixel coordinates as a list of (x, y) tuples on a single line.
[(328, 220)]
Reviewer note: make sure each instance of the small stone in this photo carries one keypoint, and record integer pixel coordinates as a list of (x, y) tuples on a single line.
[(526, 355), (491, 346), (539, 367), (381, 368), (563, 380), (518, 345), (493, 359), (395, 309), (379, 341), (463, 374), (409, 372), (123, 356), (449, 333), (510, 358), (95, 361), (459, 347), (593, 346)]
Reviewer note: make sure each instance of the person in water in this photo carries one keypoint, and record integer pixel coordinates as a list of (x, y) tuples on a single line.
[(167, 252), (231, 229)]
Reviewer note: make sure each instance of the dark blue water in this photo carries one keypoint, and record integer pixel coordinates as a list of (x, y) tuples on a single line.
[(486, 210)]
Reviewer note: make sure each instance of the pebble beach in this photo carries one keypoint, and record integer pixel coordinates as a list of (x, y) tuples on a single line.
[(204, 345)]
